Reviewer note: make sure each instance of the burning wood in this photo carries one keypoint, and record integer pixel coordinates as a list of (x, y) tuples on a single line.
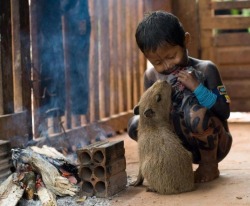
[(44, 172), (10, 192)]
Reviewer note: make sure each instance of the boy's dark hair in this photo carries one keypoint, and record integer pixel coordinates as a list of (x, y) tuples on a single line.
[(157, 28)]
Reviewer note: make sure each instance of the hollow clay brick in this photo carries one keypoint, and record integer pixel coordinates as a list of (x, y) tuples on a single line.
[(102, 168), (105, 188)]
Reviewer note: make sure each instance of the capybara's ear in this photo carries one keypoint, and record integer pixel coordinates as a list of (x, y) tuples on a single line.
[(136, 109), (149, 113)]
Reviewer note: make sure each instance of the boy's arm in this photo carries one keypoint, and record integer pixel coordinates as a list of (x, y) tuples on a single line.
[(214, 83)]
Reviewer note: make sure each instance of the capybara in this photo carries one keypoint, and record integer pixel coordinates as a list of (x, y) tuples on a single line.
[(163, 161)]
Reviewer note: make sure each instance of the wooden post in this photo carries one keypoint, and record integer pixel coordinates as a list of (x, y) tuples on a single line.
[(121, 56), (36, 79), (67, 116), (187, 12), (113, 57), (104, 66), (24, 11), (16, 55), (94, 63), (6, 57), (129, 71)]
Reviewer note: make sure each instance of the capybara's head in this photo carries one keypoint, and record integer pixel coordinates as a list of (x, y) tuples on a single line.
[(155, 103)]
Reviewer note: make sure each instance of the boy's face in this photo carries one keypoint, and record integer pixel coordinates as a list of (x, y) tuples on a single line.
[(167, 58)]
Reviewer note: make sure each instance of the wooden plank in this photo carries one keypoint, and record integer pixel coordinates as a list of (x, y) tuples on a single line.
[(6, 57), (162, 5), (36, 78), (113, 57), (235, 72), (230, 4), (207, 51), (134, 56), (25, 40), (205, 34), (206, 38), (1, 75), (240, 105), (233, 55), (204, 9), (225, 22), (10, 192), (238, 89), (129, 65), (121, 55), (117, 122), (65, 33), (74, 136), (187, 12), (13, 125), (104, 58), (16, 56), (94, 63), (231, 39), (141, 58), (101, 59)]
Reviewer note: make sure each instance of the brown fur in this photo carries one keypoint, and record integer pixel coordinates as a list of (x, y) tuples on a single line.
[(164, 162)]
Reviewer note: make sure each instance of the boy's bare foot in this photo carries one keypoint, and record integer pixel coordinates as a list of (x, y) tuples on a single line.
[(206, 172)]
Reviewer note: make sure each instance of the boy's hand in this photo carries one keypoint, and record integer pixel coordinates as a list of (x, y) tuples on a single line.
[(188, 79)]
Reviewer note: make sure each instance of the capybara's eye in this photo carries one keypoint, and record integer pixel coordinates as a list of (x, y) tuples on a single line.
[(158, 97)]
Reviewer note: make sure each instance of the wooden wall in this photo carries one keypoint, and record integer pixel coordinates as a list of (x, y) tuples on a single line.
[(114, 75), (115, 70), (226, 41), (15, 70)]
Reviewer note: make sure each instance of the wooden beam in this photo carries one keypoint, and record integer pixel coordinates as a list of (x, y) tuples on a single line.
[(162, 5), (235, 72), (233, 55), (26, 62), (187, 12), (6, 57), (94, 63), (36, 78), (16, 55), (13, 125), (231, 39), (72, 137), (225, 22), (238, 89), (230, 4)]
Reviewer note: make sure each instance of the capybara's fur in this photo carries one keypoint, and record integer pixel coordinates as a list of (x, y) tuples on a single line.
[(164, 162)]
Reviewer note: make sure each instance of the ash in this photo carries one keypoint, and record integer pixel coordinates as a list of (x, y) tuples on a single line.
[(70, 201)]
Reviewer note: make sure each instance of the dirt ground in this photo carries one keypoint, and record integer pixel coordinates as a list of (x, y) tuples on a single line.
[(231, 188)]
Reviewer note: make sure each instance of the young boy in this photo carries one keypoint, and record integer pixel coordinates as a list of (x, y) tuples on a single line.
[(200, 101)]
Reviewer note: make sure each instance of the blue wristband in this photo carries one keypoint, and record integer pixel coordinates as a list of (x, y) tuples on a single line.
[(205, 97)]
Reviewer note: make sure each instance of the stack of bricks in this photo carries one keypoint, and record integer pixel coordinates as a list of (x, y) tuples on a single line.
[(102, 168), (5, 158)]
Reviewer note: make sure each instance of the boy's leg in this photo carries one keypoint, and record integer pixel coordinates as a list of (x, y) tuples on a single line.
[(213, 141), (133, 127), (205, 135)]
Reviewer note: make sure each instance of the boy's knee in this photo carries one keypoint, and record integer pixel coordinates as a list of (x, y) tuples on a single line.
[(198, 120), (133, 127)]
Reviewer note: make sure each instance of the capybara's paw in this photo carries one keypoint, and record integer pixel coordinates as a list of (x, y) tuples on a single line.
[(206, 172), (136, 183), (149, 189)]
